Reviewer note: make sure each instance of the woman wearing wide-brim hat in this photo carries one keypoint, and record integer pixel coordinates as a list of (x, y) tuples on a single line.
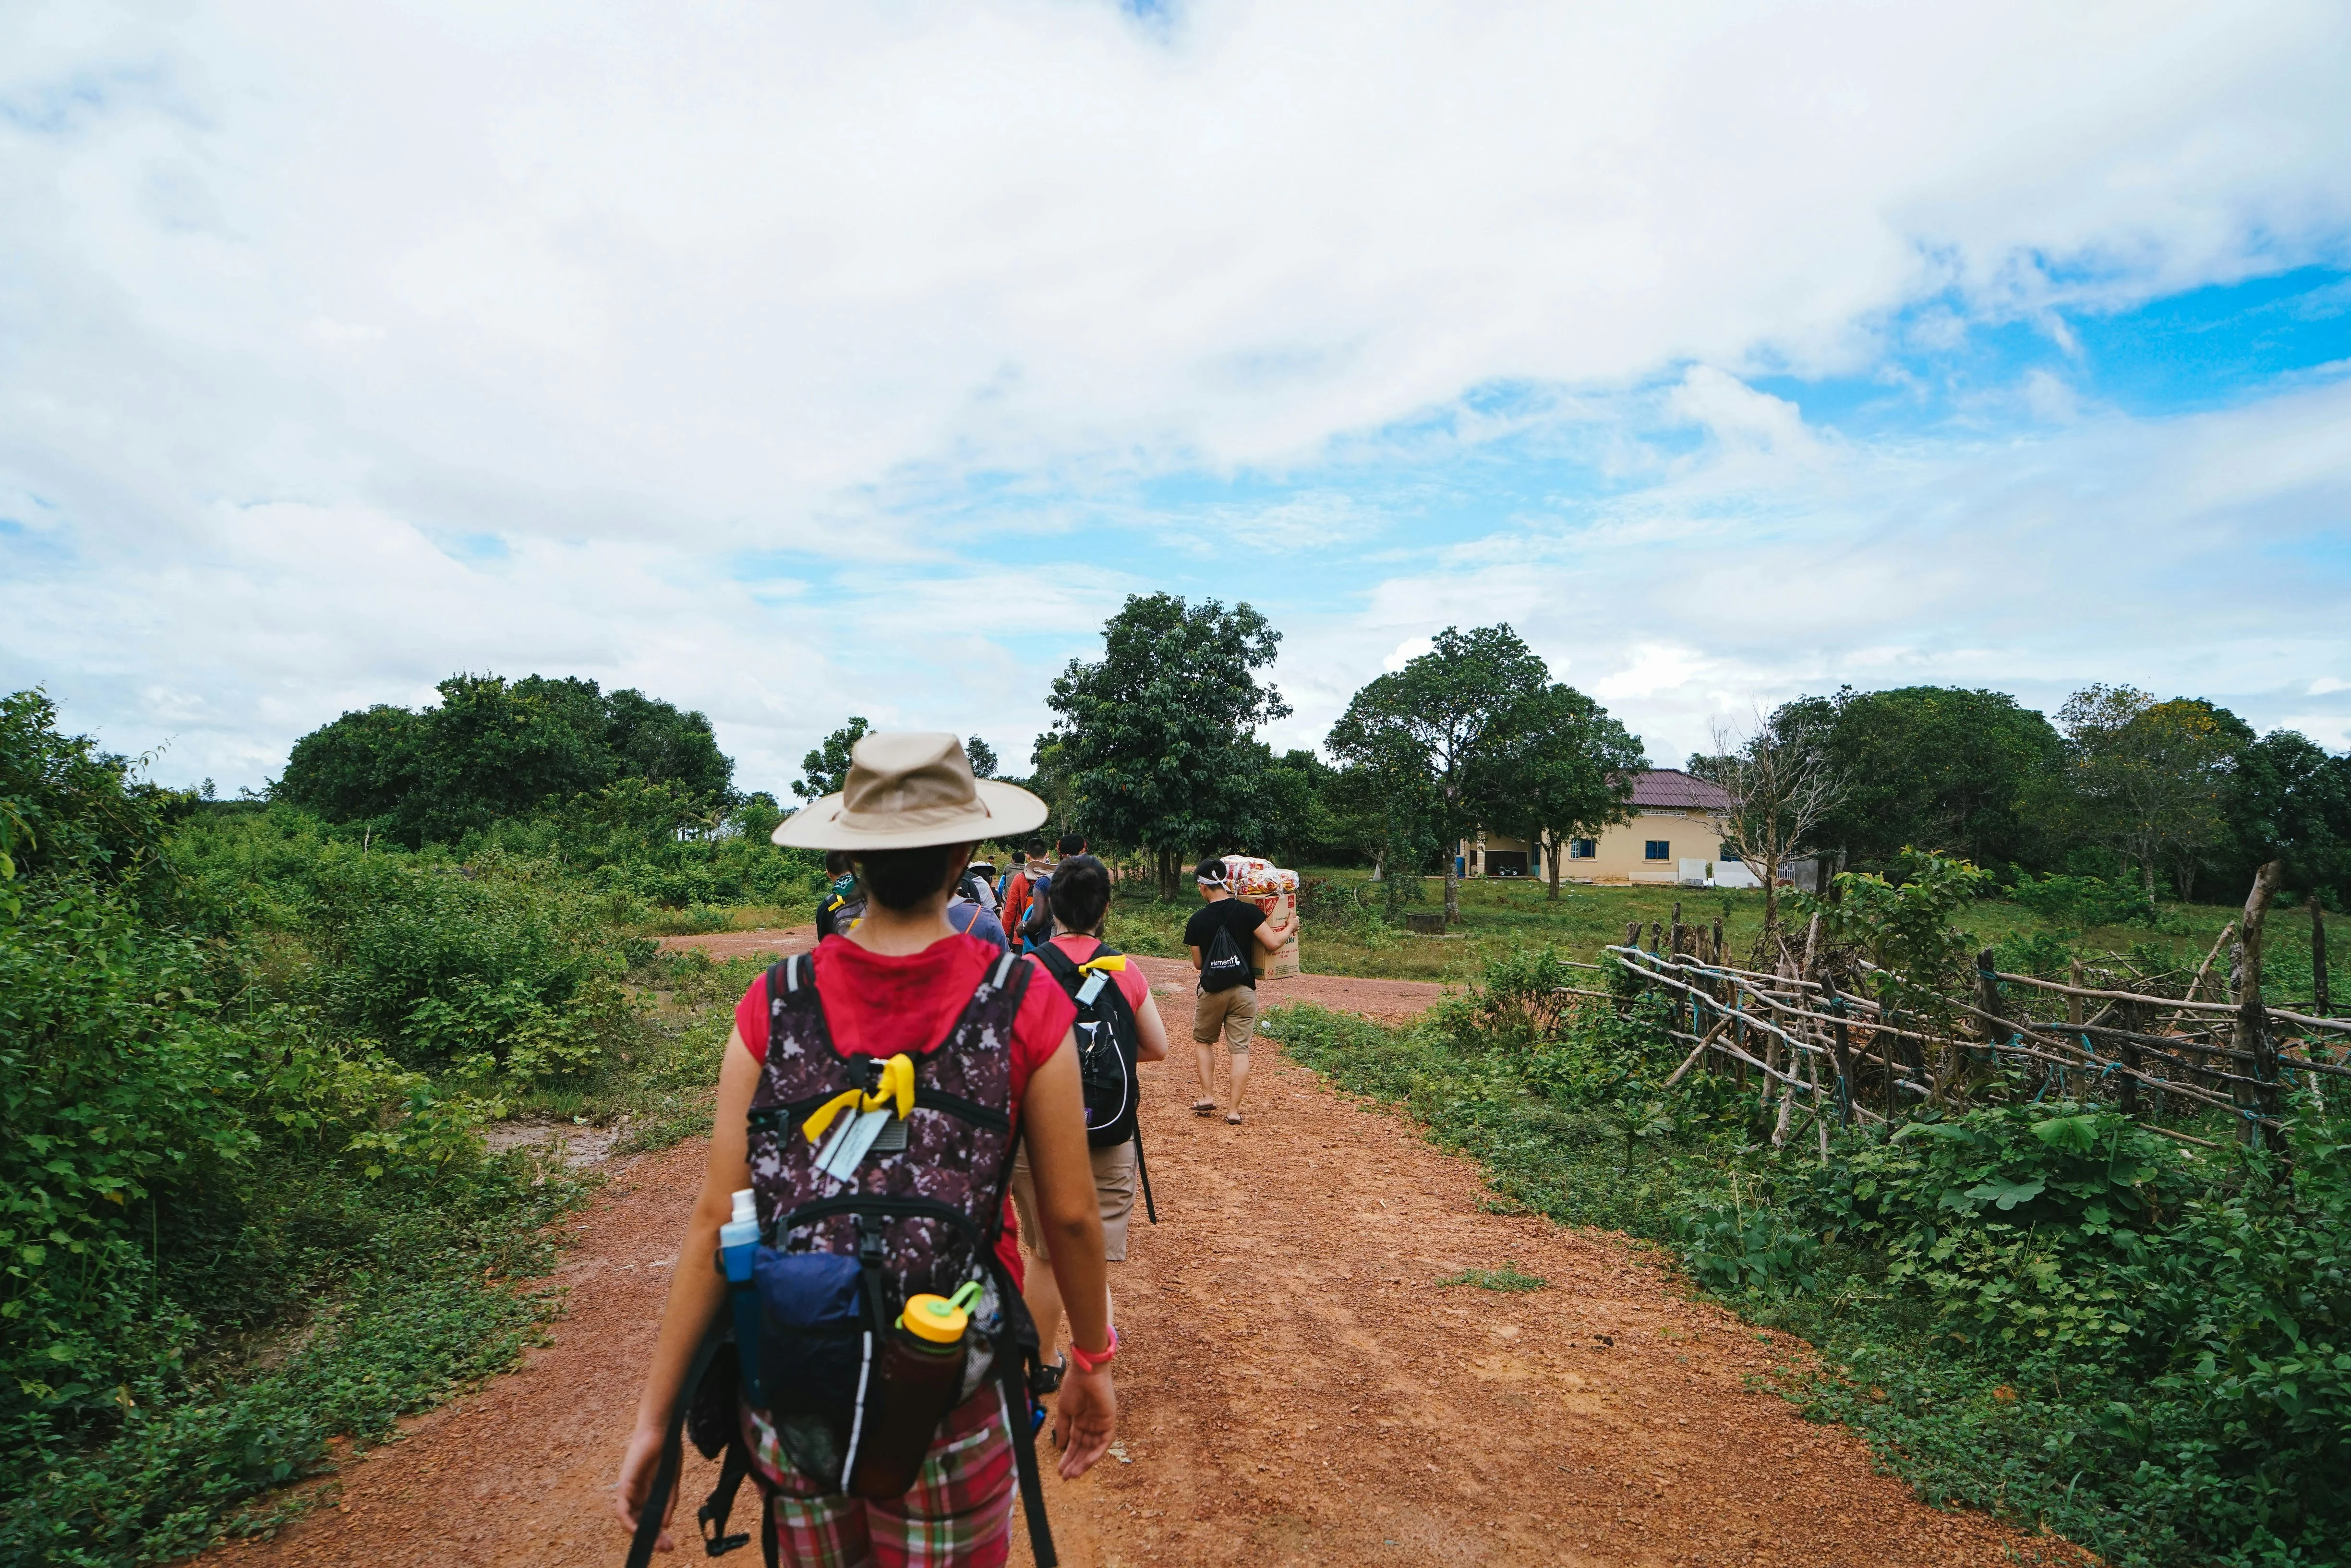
[(904, 981)]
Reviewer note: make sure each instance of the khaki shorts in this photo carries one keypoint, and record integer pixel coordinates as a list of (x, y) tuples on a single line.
[(1234, 1011), (1113, 1189)]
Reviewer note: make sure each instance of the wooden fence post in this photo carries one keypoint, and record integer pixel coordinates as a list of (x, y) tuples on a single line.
[(2252, 1018), (2318, 955)]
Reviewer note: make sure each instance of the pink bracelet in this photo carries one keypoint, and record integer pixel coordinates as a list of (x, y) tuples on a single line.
[(1092, 1364)]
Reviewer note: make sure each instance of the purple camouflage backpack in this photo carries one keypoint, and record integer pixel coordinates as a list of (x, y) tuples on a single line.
[(860, 1210)]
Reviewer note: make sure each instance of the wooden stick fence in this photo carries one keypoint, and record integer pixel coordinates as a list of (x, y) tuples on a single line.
[(1827, 1053)]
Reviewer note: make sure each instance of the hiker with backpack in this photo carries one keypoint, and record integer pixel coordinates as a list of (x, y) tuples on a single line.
[(877, 1385), (842, 903), (1012, 896), (1037, 924), (1223, 935), (1118, 1027)]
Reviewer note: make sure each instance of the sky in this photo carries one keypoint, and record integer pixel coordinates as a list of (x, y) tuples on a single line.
[(791, 361)]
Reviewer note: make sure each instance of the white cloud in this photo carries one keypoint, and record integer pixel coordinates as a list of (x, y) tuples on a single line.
[(1408, 649), (300, 297)]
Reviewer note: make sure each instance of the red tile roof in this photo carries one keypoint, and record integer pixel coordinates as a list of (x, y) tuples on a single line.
[(1671, 789)]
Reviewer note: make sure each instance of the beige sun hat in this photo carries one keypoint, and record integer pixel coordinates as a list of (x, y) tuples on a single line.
[(907, 790)]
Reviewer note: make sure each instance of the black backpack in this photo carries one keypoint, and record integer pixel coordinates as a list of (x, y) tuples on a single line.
[(1108, 1045), (1223, 966)]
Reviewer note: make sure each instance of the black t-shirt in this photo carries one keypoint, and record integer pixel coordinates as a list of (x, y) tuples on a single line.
[(1238, 915)]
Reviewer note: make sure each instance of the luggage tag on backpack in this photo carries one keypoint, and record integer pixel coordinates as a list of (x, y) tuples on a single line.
[(848, 1149), (1091, 988)]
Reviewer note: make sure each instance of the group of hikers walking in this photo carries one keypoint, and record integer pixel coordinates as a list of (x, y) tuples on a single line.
[(923, 1161)]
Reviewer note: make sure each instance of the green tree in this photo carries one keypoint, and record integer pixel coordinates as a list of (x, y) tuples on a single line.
[(662, 744), (825, 770), (1569, 773), (982, 755), (1447, 721), (2147, 778), (366, 765), (494, 751), (1931, 766), (2287, 799), (1155, 737), (1296, 824)]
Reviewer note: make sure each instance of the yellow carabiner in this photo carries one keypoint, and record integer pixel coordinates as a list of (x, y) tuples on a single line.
[(1113, 962)]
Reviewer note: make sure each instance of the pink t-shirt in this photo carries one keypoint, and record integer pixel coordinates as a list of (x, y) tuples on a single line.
[(1131, 980)]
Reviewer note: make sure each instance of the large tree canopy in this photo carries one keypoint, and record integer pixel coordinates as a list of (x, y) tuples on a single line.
[(2149, 780), (1155, 738), (825, 770), (496, 748), (1568, 772), (1447, 723), (1940, 768)]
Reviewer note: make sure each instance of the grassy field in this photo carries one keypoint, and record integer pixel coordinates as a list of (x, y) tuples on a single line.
[(1499, 915)]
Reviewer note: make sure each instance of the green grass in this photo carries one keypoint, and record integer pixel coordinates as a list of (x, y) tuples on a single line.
[(1508, 1278), (1502, 916)]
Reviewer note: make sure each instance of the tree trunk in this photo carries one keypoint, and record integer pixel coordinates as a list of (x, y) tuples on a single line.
[(1453, 889), (2252, 1018), (1551, 855)]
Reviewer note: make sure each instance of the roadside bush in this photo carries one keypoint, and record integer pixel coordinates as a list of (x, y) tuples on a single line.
[(232, 1224)]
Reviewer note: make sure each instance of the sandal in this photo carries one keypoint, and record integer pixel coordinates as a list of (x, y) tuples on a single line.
[(1203, 1107), (1233, 1118)]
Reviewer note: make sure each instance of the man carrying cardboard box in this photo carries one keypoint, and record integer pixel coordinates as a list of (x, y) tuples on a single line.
[(1223, 935)]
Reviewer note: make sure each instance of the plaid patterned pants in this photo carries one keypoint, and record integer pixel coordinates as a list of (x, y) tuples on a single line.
[(957, 1515)]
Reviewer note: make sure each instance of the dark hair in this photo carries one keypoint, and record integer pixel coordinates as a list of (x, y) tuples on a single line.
[(1019, 857), (901, 879), (836, 861), (1071, 845), (1210, 869), (1036, 846), (1079, 893)]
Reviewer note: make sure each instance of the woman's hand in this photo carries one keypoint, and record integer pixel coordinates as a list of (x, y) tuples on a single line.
[(637, 1467), (1085, 1418)]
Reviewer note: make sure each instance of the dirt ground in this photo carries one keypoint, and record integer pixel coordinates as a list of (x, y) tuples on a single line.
[(1297, 1385)]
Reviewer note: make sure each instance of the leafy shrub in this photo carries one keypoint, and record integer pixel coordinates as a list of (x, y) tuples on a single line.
[(199, 1153), (2082, 902)]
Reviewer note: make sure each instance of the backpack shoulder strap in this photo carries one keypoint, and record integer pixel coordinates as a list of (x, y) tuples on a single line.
[(1058, 965)]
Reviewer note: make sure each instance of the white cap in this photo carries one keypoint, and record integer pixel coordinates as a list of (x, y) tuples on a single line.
[(744, 1208)]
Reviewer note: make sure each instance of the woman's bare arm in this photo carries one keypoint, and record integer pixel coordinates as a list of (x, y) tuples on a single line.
[(696, 1288), (1150, 1029), (1053, 1120)]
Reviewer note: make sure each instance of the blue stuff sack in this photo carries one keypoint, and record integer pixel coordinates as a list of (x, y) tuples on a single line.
[(813, 1349)]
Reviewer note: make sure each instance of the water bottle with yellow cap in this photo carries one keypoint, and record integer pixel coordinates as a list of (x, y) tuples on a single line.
[(921, 1365)]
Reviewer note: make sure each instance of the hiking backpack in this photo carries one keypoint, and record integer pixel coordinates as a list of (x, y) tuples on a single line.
[(838, 915), (1223, 966), (1108, 1044), (859, 1208)]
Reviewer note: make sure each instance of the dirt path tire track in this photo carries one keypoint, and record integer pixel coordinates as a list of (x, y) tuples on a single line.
[(1296, 1387)]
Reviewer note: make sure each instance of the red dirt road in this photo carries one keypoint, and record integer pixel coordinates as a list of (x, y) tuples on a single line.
[(1296, 1387)]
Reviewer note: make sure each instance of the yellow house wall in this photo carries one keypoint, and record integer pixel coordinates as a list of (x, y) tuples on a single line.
[(1693, 836)]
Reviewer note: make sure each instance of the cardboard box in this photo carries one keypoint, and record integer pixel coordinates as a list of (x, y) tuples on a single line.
[(1274, 890)]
